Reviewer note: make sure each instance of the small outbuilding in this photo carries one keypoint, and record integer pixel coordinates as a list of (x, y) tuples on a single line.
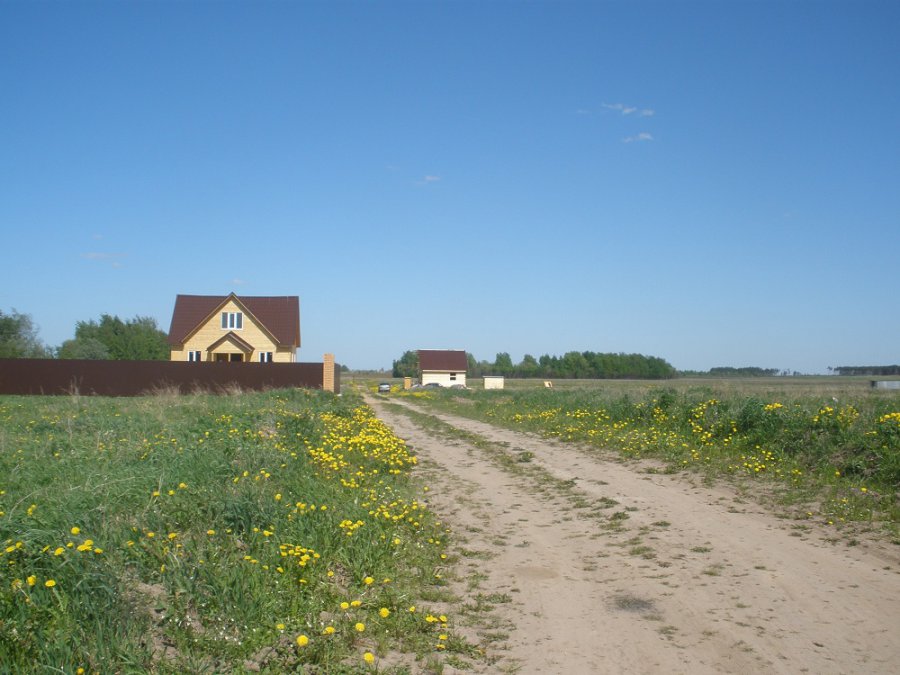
[(493, 382), (446, 367)]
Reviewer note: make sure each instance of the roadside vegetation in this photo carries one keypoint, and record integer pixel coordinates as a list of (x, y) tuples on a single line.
[(266, 532), (834, 460)]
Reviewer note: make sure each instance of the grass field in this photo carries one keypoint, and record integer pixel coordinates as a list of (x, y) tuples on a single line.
[(824, 448), (271, 532), (284, 532)]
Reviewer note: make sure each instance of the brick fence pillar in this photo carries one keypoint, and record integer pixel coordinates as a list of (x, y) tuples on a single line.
[(328, 373)]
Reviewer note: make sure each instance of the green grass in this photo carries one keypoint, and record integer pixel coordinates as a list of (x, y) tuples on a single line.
[(200, 533), (825, 448)]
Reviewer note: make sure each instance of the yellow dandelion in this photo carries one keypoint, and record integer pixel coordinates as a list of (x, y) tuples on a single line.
[(368, 581), (360, 626), (50, 583), (75, 530), (369, 657), (302, 640), (32, 580), (384, 612), (329, 630), (345, 605)]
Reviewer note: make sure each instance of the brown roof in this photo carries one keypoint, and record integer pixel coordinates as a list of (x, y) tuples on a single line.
[(443, 359), (280, 315)]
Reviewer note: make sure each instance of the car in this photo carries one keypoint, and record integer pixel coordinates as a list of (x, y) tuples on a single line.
[(384, 388), (432, 385)]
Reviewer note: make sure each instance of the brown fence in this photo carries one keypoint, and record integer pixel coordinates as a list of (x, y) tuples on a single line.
[(133, 378)]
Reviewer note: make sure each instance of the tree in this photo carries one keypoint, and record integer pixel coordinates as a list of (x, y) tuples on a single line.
[(472, 367), (138, 339), (86, 348), (407, 365), (503, 364), (529, 367), (19, 338)]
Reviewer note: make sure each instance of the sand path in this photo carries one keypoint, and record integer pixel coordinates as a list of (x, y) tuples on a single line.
[(570, 562)]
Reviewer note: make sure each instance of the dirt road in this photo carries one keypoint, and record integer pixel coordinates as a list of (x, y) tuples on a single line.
[(572, 563)]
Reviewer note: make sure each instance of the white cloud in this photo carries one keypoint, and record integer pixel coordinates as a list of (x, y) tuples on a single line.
[(111, 258), (643, 136), (629, 109), (619, 107), (432, 179), (238, 282)]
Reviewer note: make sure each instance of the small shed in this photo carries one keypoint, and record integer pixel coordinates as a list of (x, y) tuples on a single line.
[(493, 381), (446, 367)]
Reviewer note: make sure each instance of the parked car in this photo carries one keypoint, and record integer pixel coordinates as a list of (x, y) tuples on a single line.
[(384, 388)]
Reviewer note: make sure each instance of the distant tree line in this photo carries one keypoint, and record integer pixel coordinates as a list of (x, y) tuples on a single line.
[(572, 365), (728, 371), (866, 370), (110, 338)]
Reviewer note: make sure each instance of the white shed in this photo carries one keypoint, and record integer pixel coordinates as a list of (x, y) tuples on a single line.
[(493, 381)]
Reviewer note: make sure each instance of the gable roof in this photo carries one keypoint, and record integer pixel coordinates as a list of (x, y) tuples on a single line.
[(443, 359), (279, 315), (234, 339)]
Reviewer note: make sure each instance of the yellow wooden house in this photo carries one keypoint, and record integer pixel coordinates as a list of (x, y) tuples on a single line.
[(263, 329)]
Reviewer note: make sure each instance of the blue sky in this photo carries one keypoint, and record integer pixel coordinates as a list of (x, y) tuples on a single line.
[(714, 183)]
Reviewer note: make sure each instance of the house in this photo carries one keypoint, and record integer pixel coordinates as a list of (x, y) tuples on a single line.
[(235, 328), (444, 366)]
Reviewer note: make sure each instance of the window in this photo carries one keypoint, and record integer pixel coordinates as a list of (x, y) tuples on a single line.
[(265, 357), (233, 320), (194, 356), (452, 376)]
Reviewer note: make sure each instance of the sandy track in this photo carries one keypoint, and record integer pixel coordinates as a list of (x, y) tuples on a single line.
[(594, 566)]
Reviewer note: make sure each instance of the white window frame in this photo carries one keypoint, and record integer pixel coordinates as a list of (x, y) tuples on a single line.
[(232, 320), (452, 376), (195, 356), (265, 357)]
